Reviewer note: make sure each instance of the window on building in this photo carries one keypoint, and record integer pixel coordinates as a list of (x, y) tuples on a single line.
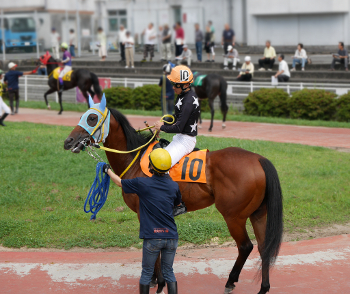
[(117, 18)]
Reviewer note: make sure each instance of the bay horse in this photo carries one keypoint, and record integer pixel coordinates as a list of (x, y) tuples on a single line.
[(213, 85), (240, 183), (81, 78)]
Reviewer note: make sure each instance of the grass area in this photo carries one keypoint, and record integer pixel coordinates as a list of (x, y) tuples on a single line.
[(232, 115), (43, 189)]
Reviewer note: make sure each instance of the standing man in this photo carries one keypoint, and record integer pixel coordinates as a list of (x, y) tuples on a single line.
[(72, 43), (150, 36), (55, 43), (228, 38), (158, 195), (121, 39), (129, 50), (179, 39), (166, 43), (4, 109), (199, 42), (102, 44), (283, 73), (11, 80), (269, 57), (167, 88), (342, 57)]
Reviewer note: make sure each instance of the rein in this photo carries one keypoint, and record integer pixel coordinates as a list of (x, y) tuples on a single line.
[(96, 145)]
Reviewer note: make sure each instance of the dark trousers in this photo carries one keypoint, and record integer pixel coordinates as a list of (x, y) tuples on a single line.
[(269, 61), (245, 78), (13, 94), (148, 48), (199, 48), (283, 78), (226, 44), (178, 50), (122, 51), (341, 61)]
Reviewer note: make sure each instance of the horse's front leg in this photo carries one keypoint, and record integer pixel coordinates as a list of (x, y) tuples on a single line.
[(60, 100), (200, 114), (51, 90), (159, 275)]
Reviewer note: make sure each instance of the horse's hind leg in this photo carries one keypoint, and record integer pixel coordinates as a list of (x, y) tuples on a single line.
[(45, 97), (258, 220), (239, 233), (212, 111), (224, 108), (200, 114)]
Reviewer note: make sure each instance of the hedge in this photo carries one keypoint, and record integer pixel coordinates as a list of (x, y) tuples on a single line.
[(305, 104)]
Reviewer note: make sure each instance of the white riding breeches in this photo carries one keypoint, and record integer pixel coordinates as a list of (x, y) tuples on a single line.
[(231, 60), (180, 147), (66, 69), (3, 107)]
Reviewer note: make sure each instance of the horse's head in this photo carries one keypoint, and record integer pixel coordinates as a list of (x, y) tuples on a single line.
[(44, 59), (94, 124)]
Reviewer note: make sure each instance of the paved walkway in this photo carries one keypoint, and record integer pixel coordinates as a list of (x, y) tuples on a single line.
[(315, 136), (319, 266)]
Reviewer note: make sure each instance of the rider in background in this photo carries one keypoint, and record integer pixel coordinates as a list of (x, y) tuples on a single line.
[(67, 61), (186, 115)]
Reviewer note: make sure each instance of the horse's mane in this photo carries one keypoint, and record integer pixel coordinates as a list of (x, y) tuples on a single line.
[(133, 139)]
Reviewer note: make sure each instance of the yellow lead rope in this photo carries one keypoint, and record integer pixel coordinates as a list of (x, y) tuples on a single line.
[(130, 165)]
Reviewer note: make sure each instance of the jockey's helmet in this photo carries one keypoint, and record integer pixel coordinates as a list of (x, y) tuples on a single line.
[(160, 160), (181, 74), (64, 45)]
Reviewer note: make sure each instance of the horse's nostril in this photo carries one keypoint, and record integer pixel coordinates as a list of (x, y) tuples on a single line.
[(70, 139)]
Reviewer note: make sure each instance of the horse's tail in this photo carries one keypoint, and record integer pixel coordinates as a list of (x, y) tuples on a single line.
[(223, 95), (274, 226), (96, 85)]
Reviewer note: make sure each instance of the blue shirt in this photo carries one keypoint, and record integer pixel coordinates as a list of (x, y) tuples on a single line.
[(228, 35), (158, 195), (169, 92), (11, 77), (66, 55)]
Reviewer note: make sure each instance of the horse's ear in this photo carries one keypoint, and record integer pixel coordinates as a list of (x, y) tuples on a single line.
[(103, 103), (91, 102)]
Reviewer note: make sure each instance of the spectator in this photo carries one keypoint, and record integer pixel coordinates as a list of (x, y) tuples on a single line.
[(212, 29), (166, 43), (247, 70), (199, 42), (129, 49), (72, 43), (4, 109), (299, 57), (228, 38), (283, 73), (231, 56), (342, 57), (169, 91), (186, 55), (209, 44), (149, 40), (11, 80), (42, 71), (179, 39), (55, 43), (102, 44), (269, 57), (121, 39)]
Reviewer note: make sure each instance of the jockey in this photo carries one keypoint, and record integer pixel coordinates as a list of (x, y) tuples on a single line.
[(67, 61), (186, 115)]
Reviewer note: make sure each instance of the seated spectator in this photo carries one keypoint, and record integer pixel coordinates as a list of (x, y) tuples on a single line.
[(342, 57), (231, 57), (129, 49), (299, 57), (42, 70), (185, 56), (269, 57), (247, 70), (209, 44), (283, 73)]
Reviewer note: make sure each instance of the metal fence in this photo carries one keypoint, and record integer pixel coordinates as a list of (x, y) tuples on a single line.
[(32, 88)]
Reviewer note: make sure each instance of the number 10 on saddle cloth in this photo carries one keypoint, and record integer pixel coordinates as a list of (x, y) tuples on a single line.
[(191, 168)]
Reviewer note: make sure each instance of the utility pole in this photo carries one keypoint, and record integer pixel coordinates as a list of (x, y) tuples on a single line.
[(3, 35), (36, 32), (78, 29)]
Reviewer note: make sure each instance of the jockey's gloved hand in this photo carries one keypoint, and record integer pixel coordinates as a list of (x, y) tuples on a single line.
[(106, 167)]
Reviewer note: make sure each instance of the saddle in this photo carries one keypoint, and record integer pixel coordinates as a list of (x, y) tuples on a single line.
[(66, 77), (191, 168)]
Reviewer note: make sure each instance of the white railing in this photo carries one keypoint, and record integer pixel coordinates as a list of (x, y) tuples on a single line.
[(32, 88)]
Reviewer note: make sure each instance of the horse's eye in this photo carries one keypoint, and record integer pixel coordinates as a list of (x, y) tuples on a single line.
[(93, 118)]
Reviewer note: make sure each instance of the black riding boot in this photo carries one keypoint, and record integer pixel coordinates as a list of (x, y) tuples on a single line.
[(144, 289), (2, 119), (172, 288)]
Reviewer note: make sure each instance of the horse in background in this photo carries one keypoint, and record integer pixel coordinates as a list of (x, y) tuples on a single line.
[(211, 86), (81, 78)]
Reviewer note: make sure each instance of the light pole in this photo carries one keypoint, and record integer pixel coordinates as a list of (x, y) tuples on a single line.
[(3, 35), (78, 28)]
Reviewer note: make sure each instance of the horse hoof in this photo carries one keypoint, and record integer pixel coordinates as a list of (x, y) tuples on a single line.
[(229, 289), (209, 130), (60, 112), (199, 126), (223, 126), (48, 106)]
